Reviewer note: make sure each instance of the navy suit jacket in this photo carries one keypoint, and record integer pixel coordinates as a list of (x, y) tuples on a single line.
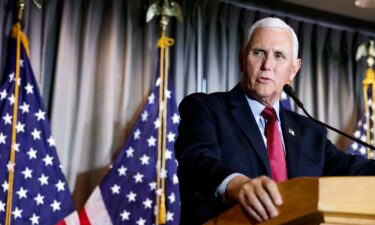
[(218, 136)]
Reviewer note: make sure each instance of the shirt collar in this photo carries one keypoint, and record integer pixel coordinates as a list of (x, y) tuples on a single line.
[(257, 107)]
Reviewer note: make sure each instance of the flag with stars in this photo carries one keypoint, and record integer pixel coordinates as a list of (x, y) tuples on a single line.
[(285, 101), (127, 194), (40, 192), (363, 125)]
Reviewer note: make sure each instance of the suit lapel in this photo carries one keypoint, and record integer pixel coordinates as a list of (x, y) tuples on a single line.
[(241, 113), (291, 135)]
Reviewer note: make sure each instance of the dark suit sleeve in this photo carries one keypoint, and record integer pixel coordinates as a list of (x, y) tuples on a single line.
[(197, 148), (319, 156), (338, 163)]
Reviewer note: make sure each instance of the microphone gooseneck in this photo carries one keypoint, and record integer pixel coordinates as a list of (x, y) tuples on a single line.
[(289, 91)]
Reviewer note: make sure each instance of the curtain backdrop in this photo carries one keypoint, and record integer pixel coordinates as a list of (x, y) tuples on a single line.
[(95, 62)]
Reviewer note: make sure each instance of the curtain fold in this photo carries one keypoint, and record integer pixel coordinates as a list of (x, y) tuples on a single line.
[(106, 65), (95, 62)]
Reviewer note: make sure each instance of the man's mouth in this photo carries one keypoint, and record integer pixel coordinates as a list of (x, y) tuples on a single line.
[(263, 79)]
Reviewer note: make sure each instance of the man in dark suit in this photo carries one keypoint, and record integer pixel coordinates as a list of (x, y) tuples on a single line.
[(233, 147)]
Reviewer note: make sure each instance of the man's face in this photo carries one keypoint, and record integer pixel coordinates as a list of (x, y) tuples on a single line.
[(267, 64)]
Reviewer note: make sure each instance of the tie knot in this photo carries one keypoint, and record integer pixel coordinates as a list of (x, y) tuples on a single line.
[(269, 113)]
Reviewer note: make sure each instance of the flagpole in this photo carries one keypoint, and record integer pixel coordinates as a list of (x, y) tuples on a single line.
[(160, 208), (368, 50), (368, 82), (21, 6), (165, 11)]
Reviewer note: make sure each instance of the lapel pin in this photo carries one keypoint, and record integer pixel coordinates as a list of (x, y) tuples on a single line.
[(291, 131)]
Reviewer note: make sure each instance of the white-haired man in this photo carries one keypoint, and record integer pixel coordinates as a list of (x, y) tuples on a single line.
[(233, 147)]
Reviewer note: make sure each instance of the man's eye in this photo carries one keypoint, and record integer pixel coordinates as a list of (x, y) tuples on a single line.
[(279, 56), (258, 53)]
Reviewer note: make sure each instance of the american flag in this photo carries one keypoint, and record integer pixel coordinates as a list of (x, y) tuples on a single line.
[(361, 131), (285, 101), (127, 194), (40, 192)]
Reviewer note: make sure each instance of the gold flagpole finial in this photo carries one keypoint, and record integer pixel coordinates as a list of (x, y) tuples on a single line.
[(167, 10), (367, 50), (21, 7)]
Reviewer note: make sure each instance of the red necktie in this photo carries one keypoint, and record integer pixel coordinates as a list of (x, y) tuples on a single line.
[(275, 149)]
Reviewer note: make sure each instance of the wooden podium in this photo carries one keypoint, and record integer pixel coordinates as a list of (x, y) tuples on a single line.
[(311, 201)]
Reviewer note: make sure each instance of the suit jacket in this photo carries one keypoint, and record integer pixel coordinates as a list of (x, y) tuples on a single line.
[(218, 135)]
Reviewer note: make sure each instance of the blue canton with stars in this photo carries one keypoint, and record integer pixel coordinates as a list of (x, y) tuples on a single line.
[(285, 101), (361, 131), (129, 190), (40, 192)]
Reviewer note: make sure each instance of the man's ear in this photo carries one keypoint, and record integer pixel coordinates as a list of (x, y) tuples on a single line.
[(296, 66)]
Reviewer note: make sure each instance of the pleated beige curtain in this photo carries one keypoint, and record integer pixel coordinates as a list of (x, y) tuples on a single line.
[(96, 62)]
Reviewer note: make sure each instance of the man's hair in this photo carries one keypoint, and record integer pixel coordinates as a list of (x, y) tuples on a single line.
[(272, 22)]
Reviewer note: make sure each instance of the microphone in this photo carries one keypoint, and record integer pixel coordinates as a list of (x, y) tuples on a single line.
[(289, 91)]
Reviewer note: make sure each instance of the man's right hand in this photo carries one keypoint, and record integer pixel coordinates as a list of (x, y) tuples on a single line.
[(258, 196)]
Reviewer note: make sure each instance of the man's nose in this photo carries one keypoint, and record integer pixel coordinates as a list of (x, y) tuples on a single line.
[(267, 62)]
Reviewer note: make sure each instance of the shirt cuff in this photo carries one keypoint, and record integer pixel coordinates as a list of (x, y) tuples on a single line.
[(220, 190)]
